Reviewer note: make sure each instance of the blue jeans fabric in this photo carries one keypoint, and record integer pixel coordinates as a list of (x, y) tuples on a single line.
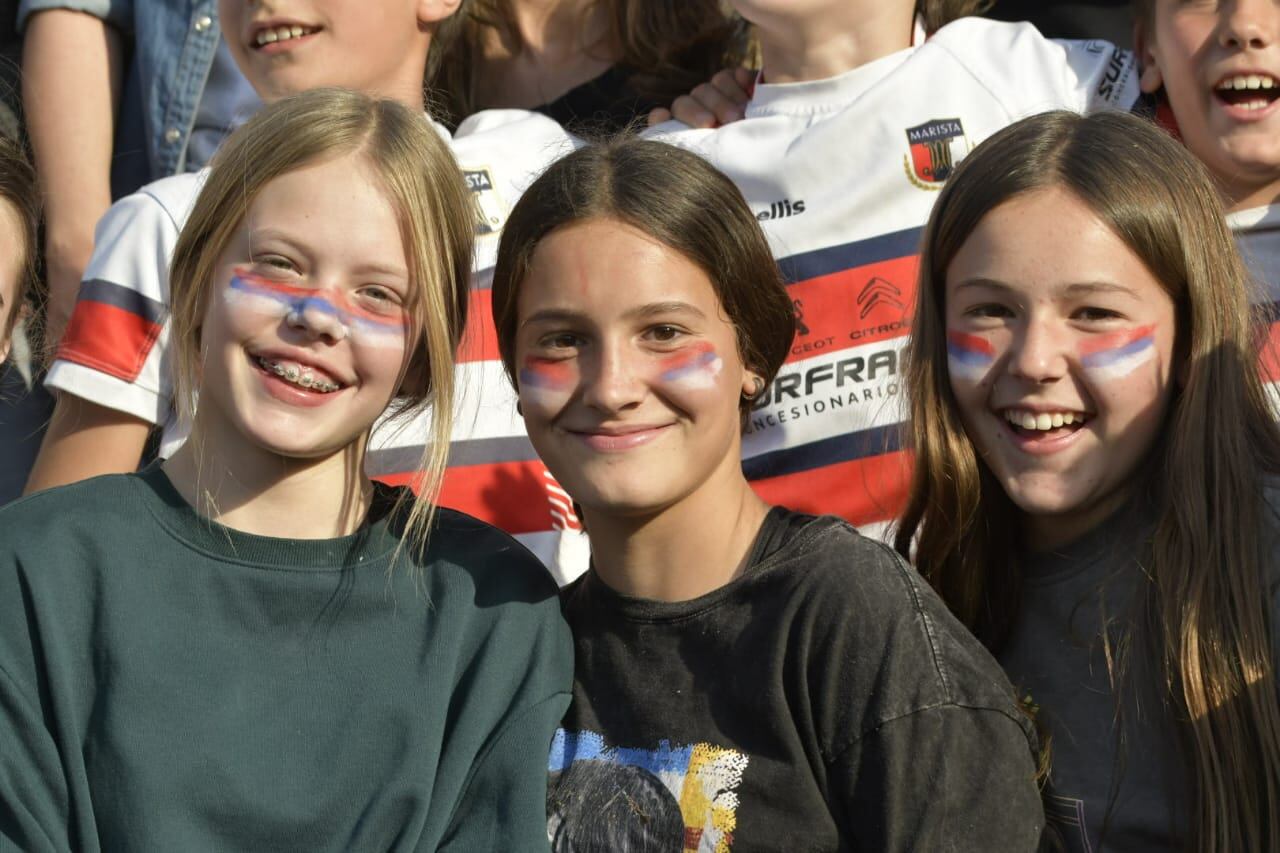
[(174, 42)]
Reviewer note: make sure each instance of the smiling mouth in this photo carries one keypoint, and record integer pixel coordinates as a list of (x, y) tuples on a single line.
[(282, 33), (1248, 91), (298, 375), (1029, 424)]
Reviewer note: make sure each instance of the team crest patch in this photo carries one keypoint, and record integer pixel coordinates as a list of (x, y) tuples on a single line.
[(935, 149), (491, 213)]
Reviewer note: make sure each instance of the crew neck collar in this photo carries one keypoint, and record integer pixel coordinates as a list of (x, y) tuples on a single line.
[(826, 95), (372, 544)]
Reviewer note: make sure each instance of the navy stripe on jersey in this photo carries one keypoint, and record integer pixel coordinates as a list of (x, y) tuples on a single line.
[(466, 451), (834, 259), (875, 441), (124, 298)]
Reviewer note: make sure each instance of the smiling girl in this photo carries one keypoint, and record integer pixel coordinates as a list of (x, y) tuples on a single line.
[(746, 676), (254, 647), (1095, 493)]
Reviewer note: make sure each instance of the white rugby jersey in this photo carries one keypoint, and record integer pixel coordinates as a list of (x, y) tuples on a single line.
[(116, 348), (842, 174)]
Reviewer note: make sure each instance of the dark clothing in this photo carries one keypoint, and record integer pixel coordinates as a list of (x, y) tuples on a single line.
[(167, 683), (1111, 20), (824, 700), (1116, 764), (601, 107), (24, 416)]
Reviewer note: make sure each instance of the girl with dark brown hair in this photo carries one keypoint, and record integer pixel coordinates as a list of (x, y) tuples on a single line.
[(1094, 491), (746, 675)]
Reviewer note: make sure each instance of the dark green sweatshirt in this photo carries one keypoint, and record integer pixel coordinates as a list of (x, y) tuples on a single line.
[(170, 684)]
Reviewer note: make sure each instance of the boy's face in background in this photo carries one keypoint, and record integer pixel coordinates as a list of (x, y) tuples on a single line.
[(378, 47), (1219, 64)]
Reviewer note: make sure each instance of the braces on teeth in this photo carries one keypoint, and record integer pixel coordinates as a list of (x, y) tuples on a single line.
[(290, 373)]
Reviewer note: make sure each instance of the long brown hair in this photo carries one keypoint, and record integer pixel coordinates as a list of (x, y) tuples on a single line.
[(18, 187), (1206, 605), (676, 198), (936, 14), (669, 46), (421, 180)]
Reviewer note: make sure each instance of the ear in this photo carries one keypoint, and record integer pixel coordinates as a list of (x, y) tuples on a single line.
[(752, 385), (1150, 80), (435, 11)]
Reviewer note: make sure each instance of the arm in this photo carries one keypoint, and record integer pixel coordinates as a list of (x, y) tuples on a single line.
[(85, 440), (943, 778), (34, 801), (71, 77), (504, 806)]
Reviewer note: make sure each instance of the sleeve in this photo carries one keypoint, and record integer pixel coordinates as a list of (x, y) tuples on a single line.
[(942, 778), (34, 811), (117, 13), (115, 349), (504, 806)]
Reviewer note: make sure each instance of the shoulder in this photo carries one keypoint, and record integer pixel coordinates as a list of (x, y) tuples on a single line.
[(869, 603), (65, 509), (139, 230), (1015, 62), (176, 195), (491, 559)]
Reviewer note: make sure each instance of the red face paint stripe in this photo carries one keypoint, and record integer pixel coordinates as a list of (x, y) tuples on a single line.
[(1115, 340), (972, 343)]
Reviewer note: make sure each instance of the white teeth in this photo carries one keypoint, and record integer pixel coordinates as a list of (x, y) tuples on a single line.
[(1241, 82), (291, 373), (281, 33), (1041, 421)]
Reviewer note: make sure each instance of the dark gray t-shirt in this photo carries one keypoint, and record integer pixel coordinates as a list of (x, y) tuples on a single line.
[(824, 700), (1117, 781)]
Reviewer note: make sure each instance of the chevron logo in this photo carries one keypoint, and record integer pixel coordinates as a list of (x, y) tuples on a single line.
[(876, 292)]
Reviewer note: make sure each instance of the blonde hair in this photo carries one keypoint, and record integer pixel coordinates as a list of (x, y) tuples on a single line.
[(1205, 606), (422, 181)]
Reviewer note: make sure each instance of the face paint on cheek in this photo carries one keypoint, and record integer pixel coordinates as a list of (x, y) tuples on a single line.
[(1115, 355), (547, 382), (262, 296), (695, 367), (969, 357)]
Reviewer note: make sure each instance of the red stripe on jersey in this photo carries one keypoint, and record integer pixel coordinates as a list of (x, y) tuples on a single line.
[(853, 307), (108, 339), (862, 491), (480, 341), (509, 495)]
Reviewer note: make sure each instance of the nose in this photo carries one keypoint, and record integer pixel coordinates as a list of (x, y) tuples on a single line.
[(614, 382), (1251, 24), (318, 318), (1038, 352)]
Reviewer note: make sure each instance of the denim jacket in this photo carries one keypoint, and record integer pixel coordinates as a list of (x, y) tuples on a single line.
[(174, 42)]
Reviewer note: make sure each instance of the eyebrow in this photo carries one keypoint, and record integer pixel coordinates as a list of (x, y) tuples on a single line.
[(1075, 289), (268, 232), (652, 309)]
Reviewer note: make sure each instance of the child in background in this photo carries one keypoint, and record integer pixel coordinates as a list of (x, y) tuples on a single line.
[(252, 646), (1215, 68), (747, 676), (1095, 492), (853, 126), (111, 372), (23, 409)]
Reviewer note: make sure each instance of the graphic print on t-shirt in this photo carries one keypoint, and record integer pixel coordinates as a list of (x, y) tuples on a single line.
[(671, 798)]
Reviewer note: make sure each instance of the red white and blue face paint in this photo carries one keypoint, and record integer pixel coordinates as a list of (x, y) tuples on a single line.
[(547, 382), (1117, 354), (969, 357), (279, 299), (696, 367)]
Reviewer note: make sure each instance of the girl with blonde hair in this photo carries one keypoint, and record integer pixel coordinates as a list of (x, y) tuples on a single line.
[(253, 646), (1094, 492)]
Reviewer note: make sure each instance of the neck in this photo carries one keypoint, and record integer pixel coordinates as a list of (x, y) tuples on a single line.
[(687, 550), (798, 51), (255, 491), (1246, 196), (557, 30)]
